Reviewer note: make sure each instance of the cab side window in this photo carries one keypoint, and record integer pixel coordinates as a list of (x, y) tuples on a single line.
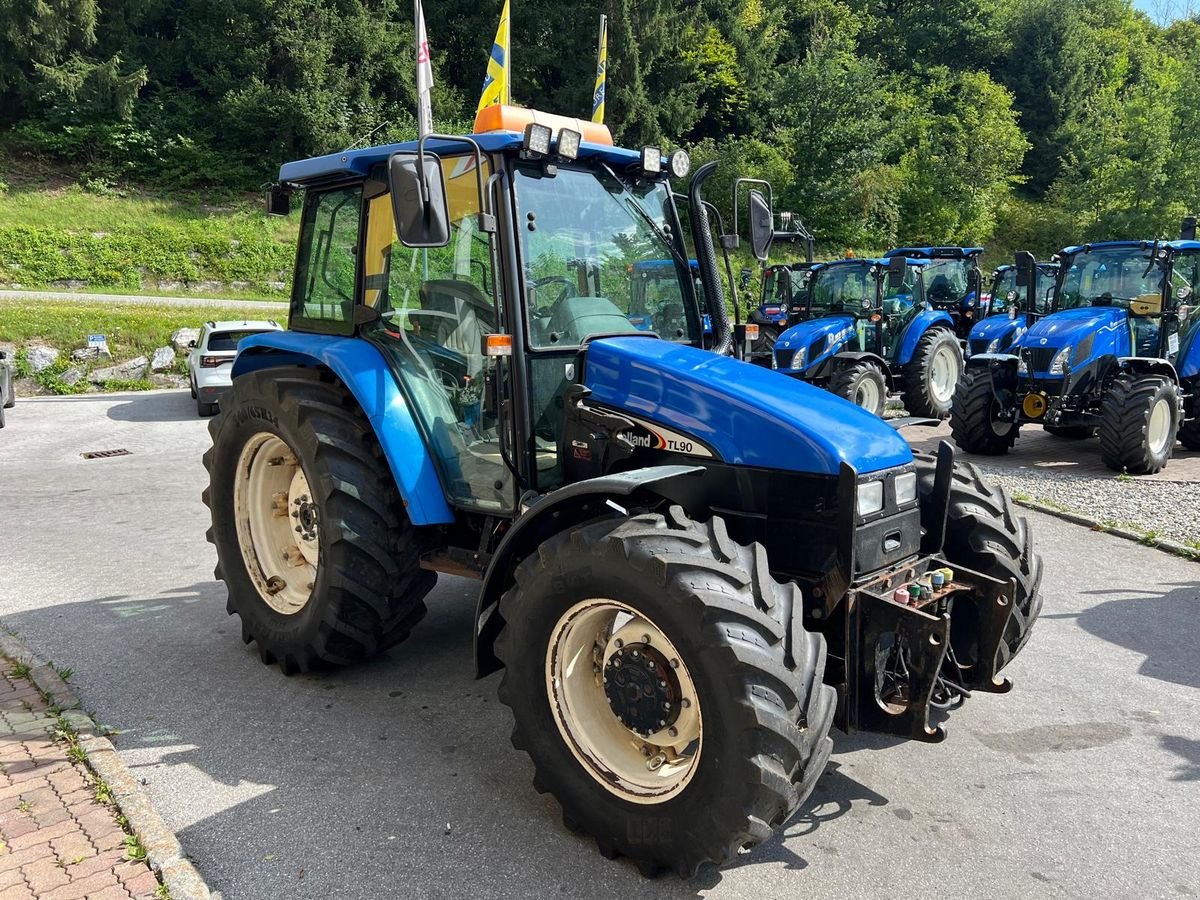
[(327, 262)]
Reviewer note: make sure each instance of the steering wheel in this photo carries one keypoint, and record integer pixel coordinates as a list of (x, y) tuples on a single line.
[(567, 291)]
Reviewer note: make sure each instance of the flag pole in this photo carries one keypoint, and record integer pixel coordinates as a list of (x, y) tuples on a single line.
[(424, 74), (601, 74)]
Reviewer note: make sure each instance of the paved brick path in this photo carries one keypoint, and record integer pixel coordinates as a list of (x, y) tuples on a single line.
[(57, 842)]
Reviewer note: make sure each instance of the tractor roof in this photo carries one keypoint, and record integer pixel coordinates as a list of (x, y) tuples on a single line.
[(935, 252), (358, 163), (864, 261), (1109, 245)]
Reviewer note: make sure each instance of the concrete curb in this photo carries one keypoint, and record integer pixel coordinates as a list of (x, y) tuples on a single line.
[(1164, 544), (163, 850)]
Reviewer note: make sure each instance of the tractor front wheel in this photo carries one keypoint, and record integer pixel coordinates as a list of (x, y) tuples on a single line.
[(1139, 419), (319, 559), (665, 687), (984, 533), (975, 422), (930, 378), (863, 384)]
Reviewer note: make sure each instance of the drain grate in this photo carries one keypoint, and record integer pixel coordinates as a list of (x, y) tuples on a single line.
[(104, 454)]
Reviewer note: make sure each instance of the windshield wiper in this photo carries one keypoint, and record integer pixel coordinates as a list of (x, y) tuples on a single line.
[(648, 219)]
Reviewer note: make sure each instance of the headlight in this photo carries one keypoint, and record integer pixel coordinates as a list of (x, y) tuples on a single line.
[(1058, 365), (870, 497), (906, 488), (1012, 312), (800, 358), (994, 346), (680, 163), (1022, 366)]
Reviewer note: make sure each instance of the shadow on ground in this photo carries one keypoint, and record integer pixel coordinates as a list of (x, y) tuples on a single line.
[(155, 406)]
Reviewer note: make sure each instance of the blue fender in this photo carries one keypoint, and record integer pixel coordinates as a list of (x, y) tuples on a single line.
[(837, 331), (363, 370), (749, 415), (925, 319)]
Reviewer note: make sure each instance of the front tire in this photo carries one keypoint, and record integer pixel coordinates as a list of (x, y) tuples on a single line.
[(1139, 419), (931, 376), (313, 544), (984, 533), (863, 384), (730, 634), (974, 417)]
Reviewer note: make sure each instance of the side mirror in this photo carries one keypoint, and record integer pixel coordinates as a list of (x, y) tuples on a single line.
[(762, 226), (419, 203), (279, 200), (1188, 231), (897, 271)]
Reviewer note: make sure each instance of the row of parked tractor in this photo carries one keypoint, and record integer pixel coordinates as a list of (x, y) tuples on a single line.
[(1100, 340)]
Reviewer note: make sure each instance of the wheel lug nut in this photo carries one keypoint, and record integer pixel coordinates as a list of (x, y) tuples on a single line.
[(666, 706), (673, 731), (618, 643), (685, 703), (674, 664), (645, 638)]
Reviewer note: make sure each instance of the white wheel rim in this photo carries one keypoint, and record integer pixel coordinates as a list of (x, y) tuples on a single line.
[(943, 374), (1160, 426), (589, 644), (277, 523), (867, 394)]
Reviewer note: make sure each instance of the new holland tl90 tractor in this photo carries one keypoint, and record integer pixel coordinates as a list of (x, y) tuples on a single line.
[(868, 331), (953, 282), (689, 566), (1008, 310), (1117, 357)]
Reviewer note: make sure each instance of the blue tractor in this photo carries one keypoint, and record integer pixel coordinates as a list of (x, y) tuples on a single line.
[(1008, 310), (953, 282), (689, 568), (1117, 357), (783, 301), (868, 331)]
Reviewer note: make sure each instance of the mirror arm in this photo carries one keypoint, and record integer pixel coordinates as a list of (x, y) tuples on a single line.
[(487, 221)]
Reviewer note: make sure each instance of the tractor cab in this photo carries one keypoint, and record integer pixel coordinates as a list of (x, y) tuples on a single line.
[(1117, 347), (1008, 310), (953, 282), (655, 301)]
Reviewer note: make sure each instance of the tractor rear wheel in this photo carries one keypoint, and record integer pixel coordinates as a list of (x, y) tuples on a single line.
[(313, 544), (1139, 419), (975, 424), (984, 533), (863, 384), (1070, 432), (665, 687), (930, 377)]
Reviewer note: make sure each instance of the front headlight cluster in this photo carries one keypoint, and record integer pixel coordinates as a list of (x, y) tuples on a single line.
[(994, 346), (871, 493), (1058, 365)]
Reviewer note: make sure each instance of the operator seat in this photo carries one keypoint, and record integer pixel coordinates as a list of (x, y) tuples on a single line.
[(474, 316), (940, 290)]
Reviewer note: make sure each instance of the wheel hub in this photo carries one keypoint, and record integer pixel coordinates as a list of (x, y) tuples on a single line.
[(641, 689)]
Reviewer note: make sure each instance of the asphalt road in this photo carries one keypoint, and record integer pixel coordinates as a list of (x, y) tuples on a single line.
[(144, 300), (397, 778)]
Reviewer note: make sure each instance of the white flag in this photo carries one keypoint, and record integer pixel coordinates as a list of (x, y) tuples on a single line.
[(424, 75)]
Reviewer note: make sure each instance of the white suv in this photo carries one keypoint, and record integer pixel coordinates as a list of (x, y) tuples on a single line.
[(210, 362)]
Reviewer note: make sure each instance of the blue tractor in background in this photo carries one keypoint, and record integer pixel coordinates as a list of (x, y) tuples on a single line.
[(1008, 311), (783, 302), (868, 331), (953, 282), (655, 304), (689, 568), (1117, 357)]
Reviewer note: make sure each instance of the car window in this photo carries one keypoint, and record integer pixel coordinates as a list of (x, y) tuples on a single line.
[(229, 340)]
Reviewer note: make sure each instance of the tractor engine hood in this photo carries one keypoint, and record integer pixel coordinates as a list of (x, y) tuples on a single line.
[(792, 348), (996, 328), (1090, 331), (747, 414)]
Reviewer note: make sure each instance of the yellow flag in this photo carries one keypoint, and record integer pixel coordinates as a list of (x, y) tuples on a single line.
[(496, 84), (601, 66)]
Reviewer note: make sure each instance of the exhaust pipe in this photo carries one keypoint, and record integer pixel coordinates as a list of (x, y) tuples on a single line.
[(706, 259)]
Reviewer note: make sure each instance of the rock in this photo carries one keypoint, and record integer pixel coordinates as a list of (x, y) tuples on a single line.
[(72, 376), (87, 354), (276, 285), (126, 371), (99, 235), (69, 284), (169, 381), (163, 358), (206, 286), (41, 358), (182, 337), (239, 285), (167, 285)]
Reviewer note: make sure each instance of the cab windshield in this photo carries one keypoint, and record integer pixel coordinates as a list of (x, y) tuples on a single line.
[(1110, 277), (843, 289), (1004, 286), (598, 259), (946, 282)]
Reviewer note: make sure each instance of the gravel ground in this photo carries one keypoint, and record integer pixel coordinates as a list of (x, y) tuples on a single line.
[(1166, 508)]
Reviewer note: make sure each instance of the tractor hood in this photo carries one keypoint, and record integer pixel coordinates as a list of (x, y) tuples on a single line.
[(746, 414), (794, 350), (1091, 331), (998, 328)]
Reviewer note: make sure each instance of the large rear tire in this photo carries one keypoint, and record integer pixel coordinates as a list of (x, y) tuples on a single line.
[(930, 378), (294, 459), (974, 422), (984, 533), (724, 635), (1139, 419), (863, 384)]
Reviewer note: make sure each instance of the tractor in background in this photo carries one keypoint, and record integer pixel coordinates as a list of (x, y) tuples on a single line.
[(689, 568), (1008, 311), (868, 332), (953, 282), (1117, 357), (783, 302)]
